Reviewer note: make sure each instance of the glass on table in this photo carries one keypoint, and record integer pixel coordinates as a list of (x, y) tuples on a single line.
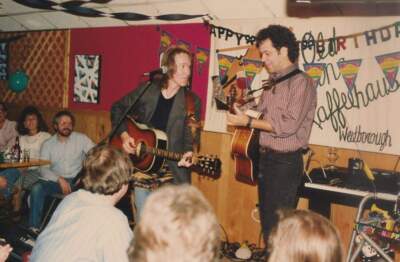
[(26, 155)]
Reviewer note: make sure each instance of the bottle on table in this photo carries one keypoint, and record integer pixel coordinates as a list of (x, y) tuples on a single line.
[(16, 151)]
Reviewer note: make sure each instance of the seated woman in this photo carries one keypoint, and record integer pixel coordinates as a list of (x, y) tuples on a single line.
[(302, 235), (33, 132)]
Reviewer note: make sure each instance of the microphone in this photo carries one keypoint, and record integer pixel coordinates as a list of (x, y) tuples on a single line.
[(159, 71)]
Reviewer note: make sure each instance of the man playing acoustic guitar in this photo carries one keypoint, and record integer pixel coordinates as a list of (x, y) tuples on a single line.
[(163, 106), (288, 108)]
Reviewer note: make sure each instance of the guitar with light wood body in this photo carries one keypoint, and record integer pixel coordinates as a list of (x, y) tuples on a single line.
[(244, 149)]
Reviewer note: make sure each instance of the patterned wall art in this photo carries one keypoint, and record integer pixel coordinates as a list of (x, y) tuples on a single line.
[(3, 60), (87, 79)]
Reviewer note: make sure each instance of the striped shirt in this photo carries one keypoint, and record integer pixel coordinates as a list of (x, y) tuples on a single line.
[(290, 111)]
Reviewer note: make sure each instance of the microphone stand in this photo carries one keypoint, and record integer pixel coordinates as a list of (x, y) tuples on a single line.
[(122, 118), (77, 181)]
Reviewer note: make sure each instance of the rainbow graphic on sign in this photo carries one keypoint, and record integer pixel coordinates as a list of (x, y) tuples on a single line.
[(251, 69), (202, 55), (224, 64), (165, 41), (349, 70), (315, 71), (389, 64), (183, 44)]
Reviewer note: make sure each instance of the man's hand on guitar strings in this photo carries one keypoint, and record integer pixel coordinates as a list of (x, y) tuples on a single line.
[(128, 143), (186, 160), (237, 119)]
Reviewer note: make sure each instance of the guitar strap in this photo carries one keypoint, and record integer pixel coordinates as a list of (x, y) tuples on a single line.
[(193, 123), (287, 76), (271, 83)]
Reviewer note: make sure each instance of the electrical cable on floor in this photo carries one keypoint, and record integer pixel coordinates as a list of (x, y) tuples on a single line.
[(228, 250)]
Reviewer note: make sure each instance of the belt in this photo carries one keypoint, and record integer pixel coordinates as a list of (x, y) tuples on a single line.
[(267, 150)]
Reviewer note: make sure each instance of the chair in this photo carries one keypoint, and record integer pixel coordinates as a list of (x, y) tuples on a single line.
[(55, 199)]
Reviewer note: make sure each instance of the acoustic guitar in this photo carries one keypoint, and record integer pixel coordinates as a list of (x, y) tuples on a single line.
[(244, 149), (152, 151), (245, 144)]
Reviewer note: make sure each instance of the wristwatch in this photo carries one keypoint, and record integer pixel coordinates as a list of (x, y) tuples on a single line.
[(248, 125)]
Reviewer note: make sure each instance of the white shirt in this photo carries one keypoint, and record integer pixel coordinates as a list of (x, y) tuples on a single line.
[(84, 227), (65, 156), (8, 133), (33, 144)]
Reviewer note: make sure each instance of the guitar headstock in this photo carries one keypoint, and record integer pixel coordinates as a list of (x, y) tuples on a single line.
[(208, 165)]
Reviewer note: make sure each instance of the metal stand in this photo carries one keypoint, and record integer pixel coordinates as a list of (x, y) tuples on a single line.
[(352, 255)]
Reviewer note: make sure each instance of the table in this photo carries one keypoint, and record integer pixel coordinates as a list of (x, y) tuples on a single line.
[(30, 163)]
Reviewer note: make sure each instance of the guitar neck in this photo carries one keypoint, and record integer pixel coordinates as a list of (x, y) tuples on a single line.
[(164, 153)]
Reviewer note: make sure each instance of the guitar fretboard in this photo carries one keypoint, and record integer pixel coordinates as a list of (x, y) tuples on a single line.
[(164, 153)]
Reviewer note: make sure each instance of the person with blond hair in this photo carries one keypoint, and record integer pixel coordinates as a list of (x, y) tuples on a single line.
[(302, 235), (86, 226), (177, 224)]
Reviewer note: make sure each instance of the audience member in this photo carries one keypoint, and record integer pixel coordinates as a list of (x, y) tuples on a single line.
[(5, 251), (86, 226), (177, 224), (33, 132), (66, 151), (304, 236), (8, 133)]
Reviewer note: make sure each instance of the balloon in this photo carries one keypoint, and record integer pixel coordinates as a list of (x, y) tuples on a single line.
[(18, 81)]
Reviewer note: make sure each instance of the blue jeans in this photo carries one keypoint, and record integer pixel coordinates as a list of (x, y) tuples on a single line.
[(38, 195), (11, 175), (141, 194)]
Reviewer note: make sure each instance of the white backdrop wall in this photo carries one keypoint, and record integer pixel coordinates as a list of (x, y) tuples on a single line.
[(357, 82)]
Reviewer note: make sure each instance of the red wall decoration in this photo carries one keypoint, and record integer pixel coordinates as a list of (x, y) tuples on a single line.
[(128, 52)]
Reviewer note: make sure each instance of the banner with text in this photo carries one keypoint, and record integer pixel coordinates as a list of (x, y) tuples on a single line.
[(354, 63)]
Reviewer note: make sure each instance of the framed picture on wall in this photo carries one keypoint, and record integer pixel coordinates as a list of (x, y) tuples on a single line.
[(87, 79), (3, 60)]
